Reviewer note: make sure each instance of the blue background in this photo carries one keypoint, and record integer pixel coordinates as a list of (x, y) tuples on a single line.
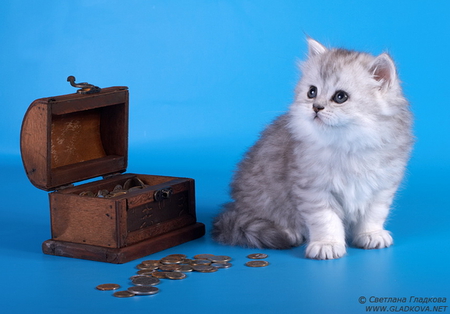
[(205, 77)]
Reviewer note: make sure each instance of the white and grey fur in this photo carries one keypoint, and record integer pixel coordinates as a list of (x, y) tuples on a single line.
[(326, 170)]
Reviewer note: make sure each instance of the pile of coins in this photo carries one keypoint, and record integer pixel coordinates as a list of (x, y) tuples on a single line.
[(259, 263), (129, 185), (174, 267)]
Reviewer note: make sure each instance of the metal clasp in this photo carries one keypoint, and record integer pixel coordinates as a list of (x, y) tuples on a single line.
[(85, 88), (163, 194)]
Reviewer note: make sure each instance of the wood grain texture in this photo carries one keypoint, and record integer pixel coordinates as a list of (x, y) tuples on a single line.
[(125, 254), (75, 137), (70, 138), (33, 143)]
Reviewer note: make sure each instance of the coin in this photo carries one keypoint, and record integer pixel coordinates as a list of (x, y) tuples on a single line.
[(118, 193), (180, 256), (185, 268), (176, 275), (220, 259), (145, 281), (139, 182), (258, 256), (87, 193), (203, 256), (143, 290), (171, 267), (127, 184), (145, 272), (145, 267), (123, 294), (102, 193), (257, 263), (222, 265), (151, 262), (160, 274), (134, 188), (117, 188), (205, 268), (108, 286), (171, 260), (198, 262)]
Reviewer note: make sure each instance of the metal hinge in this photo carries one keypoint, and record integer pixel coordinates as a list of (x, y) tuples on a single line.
[(63, 187), (115, 174)]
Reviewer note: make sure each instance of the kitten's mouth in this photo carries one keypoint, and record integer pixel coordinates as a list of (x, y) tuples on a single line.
[(317, 118)]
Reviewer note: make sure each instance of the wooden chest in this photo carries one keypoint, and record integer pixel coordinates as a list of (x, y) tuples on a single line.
[(120, 217)]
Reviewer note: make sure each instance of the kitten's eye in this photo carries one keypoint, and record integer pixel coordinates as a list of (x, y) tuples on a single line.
[(312, 93), (340, 97)]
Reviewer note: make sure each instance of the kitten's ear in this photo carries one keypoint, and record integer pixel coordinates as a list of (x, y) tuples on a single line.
[(383, 70), (315, 48)]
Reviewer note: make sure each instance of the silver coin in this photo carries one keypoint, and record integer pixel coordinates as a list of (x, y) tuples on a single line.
[(117, 188), (143, 290), (222, 265), (185, 268), (205, 268), (219, 259), (144, 280)]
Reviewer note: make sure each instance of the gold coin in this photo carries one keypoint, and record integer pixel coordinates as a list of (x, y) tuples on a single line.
[(152, 262), (203, 256), (146, 267), (171, 267), (257, 263), (171, 260), (108, 286), (176, 275), (118, 193), (258, 256), (180, 256), (145, 272), (87, 193), (123, 294), (160, 274)]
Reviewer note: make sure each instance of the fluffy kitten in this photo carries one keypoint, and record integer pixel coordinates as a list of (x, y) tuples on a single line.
[(329, 168)]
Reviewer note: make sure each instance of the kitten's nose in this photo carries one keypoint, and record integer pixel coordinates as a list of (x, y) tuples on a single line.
[(317, 108)]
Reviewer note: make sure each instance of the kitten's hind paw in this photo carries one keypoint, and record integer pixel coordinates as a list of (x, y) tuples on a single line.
[(325, 250), (373, 240)]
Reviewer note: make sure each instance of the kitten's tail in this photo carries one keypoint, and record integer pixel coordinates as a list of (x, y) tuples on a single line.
[(235, 228)]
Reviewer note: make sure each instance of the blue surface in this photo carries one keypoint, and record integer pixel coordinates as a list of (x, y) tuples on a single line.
[(204, 79)]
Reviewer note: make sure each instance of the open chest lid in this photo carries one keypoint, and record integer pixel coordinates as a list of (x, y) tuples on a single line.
[(75, 137)]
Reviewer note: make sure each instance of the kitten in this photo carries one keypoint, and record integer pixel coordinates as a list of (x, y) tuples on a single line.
[(327, 169)]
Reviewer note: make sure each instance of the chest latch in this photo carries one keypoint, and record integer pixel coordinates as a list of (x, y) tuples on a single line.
[(85, 88)]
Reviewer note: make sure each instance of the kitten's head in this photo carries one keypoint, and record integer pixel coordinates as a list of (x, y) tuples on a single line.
[(342, 90)]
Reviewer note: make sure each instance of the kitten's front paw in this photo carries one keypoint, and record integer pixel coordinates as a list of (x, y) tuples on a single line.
[(373, 240), (325, 250)]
